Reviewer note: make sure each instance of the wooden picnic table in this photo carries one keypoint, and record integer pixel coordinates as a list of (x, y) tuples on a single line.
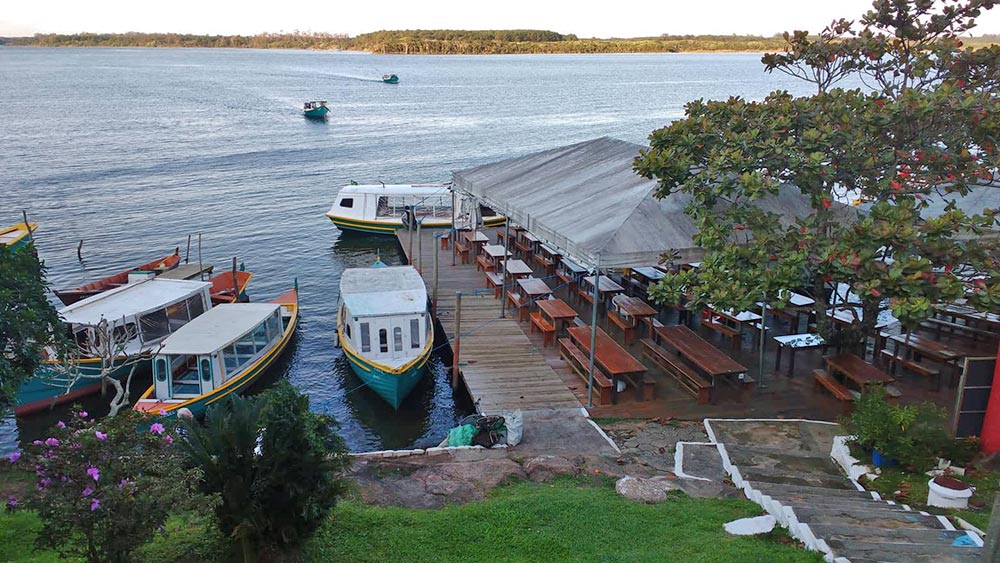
[(700, 352), (495, 251), (516, 268), (534, 288), (607, 285), (796, 342), (556, 311), (970, 316), (569, 273), (632, 311), (857, 370), (614, 360)]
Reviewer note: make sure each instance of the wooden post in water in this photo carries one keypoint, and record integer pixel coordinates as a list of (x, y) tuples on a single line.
[(201, 269), (187, 253), (24, 215), (236, 283), (991, 549), (79, 251), (458, 338)]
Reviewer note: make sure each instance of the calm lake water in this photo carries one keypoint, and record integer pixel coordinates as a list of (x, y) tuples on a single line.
[(132, 150)]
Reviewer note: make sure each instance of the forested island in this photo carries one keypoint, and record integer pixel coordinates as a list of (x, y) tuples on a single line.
[(417, 42)]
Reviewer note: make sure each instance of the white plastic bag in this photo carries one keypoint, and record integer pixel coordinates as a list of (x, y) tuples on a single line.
[(515, 427)]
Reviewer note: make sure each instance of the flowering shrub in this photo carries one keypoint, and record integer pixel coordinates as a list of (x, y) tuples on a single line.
[(103, 488)]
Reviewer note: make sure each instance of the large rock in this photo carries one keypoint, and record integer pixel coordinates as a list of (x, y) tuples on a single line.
[(751, 526), (547, 467), (650, 490)]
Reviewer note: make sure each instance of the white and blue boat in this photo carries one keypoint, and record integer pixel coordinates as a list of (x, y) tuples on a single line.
[(145, 312), (384, 328)]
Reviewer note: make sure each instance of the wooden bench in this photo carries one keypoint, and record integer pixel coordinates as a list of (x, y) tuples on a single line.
[(580, 364), (444, 240), (827, 381), (547, 329), (937, 325), (463, 251), (685, 375), (494, 281), (521, 307), (732, 334), (523, 249), (893, 360), (628, 329), (483, 263)]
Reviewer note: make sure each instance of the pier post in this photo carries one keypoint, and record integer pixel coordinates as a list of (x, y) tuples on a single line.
[(187, 253), (236, 283), (593, 340), (420, 246), (458, 338), (503, 278), (434, 298), (201, 268)]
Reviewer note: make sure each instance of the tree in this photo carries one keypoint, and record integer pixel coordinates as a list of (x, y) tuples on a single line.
[(28, 322), (104, 488), (275, 465), (108, 344), (925, 124)]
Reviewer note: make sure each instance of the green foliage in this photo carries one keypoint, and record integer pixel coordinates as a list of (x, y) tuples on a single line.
[(915, 435), (274, 464), (104, 488), (28, 322), (929, 126), (558, 521)]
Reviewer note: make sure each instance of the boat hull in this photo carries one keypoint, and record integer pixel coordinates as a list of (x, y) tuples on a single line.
[(390, 226), (70, 296), (316, 112), (392, 387), (393, 80), (17, 236), (47, 388)]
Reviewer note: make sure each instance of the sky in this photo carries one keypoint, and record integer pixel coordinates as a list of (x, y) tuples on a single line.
[(635, 18)]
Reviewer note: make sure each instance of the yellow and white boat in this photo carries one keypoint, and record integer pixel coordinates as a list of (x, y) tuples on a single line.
[(382, 209)]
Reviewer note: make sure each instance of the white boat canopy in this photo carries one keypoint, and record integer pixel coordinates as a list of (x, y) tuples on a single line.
[(130, 300), (217, 328), (587, 200), (395, 290)]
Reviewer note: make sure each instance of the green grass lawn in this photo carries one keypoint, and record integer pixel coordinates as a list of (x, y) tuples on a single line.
[(562, 521)]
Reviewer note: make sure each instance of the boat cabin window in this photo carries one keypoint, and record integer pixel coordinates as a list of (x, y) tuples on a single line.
[(366, 338), (154, 325), (206, 369), (397, 339), (248, 348), (347, 202), (347, 330), (414, 333), (124, 333), (161, 322), (383, 340), (274, 328)]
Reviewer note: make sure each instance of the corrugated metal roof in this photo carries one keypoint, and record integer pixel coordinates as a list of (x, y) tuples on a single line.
[(587, 200), (130, 299), (383, 291), (217, 328)]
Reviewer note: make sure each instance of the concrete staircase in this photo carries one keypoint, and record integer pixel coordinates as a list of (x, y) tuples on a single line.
[(787, 474)]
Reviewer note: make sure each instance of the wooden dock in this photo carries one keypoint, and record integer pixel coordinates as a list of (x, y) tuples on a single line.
[(187, 272), (501, 367)]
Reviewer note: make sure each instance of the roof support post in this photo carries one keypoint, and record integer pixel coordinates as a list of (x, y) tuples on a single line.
[(593, 335), (503, 276)]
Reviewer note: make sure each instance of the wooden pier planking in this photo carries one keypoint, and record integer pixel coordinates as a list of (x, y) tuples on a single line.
[(187, 272), (502, 368)]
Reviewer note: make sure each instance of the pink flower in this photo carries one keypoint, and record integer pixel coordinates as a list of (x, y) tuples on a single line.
[(11, 502), (87, 491), (95, 504), (83, 414), (43, 483), (14, 457), (93, 472), (162, 412), (36, 443), (100, 435), (168, 439), (51, 442), (156, 428), (61, 424)]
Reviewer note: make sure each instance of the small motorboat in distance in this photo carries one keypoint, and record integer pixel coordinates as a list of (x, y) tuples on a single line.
[(390, 79), (315, 109), (154, 268), (223, 351)]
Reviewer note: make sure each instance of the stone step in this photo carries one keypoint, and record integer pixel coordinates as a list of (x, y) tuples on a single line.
[(779, 490), (903, 553), (869, 518), (849, 534), (743, 456), (802, 479), (843, 504), (822, 455)]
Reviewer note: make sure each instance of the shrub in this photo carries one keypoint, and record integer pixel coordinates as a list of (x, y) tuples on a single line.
[(915, 435), (275, 465), (103, 489)]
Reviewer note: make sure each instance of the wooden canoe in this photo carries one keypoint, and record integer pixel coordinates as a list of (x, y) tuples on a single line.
[(222, 286), (70, 296)]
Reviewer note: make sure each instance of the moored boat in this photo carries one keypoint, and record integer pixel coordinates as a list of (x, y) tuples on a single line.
[(390, 79), (384, 328), (317, 108), (70, 296), (17, 235), (222, 352), (230, 286), (144, 312), (382, 209)]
